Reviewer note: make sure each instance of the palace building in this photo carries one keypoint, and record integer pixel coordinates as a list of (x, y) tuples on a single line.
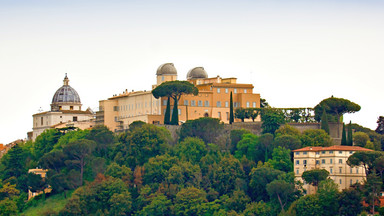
[(334, 160), (213, 100), (65, 112)]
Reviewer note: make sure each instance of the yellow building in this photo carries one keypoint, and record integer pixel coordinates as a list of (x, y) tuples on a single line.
[(42, 173), (65, 111), (334, 160), (213, 100)]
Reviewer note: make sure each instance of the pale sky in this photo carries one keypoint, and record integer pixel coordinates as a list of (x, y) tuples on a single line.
[(295, 53)]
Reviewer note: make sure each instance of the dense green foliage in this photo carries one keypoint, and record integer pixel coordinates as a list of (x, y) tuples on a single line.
[(138, 172)]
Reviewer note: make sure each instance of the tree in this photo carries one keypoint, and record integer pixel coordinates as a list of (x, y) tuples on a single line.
[(104, 139), (77, 153), (260, 178), (228, 174), (207, 129), (264, 103), (272, 119), (350, 135), (258, 208), (236, 136), (159, 205), (365, 159), (287, 141), (241, 113), (380, 125), (249, 146), (343, 136), (360, 139), (335, 106), (252, 113), (188, 201), (281, 159), (141, 144), (13, 165), (167, 114), (315, 176), (280, 189), (324, 122), (287, 130), (350, 202), (191, 149), (174, 89), (36, 183), (231, 118), (45, 141), (315, 137)]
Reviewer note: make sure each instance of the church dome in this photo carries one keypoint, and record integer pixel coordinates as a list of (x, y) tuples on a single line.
[(66, 94), (166, 69), (197, 73)]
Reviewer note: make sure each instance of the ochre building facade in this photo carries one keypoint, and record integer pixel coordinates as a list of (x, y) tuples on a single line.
[(213, 100), (334, 160)]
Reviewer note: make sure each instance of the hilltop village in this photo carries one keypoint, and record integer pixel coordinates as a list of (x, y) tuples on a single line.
[(200, 146)]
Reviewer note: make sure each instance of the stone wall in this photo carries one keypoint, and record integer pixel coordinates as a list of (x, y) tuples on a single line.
[(255, 127)]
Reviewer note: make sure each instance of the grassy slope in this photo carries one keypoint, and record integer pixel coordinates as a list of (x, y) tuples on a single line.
[(54, 203)]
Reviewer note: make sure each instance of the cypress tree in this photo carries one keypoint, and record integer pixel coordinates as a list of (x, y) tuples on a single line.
[(324, 122), (175, 114), (167, 114), (349, 136), (231, 119), (344, 136)]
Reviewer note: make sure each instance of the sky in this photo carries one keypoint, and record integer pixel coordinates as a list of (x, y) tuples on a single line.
[(295, 53)]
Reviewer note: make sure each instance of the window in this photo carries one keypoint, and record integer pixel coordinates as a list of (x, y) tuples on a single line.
[(74, 118), (193, 103), (330, 152), (297, 153), (317, 153), (226, 90), (186, 102), (340, 161), (323, 161), (179, 111), (297, 171), (254, 104), (331, 170), (235, 90), (165, 102), (350, 182), (226, 103), (218, 90), (331, 161), (70, 107), (206, 103), (340, 152), (357, 170), (162, 78), (340, 181), (42, 121), (297, 162), (351, 171), (115, 108), (247, 104), (218, 104), (200, 103), (323, 152), (219, 115), (340, 170), (304, 153), (351, 152), (305, 162), (227, 115), (245, 90), (317, 162)]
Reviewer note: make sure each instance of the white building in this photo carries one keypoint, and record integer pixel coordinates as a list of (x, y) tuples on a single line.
[(65, 109)]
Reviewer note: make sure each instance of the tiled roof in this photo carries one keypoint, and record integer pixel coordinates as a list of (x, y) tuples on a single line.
[(332, 148)]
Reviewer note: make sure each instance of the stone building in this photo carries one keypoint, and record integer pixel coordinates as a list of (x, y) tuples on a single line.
[(121, 110), (334, 160), (65, 111)]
